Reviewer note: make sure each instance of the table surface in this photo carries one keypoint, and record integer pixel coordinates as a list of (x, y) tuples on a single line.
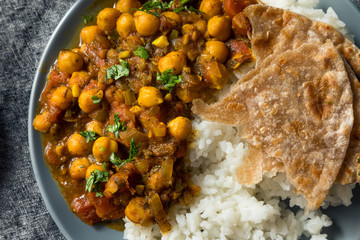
[(25, 28)]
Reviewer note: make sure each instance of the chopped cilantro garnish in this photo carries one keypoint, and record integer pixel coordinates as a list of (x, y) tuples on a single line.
[(182, 7), (89, 135), (134, 150), (93, 183), (116, 160), (95, 99), (155, 4), (167, 80), (117, 71), (99, 194), (358, 160), (117, 127), (141, 52), (87, 19)]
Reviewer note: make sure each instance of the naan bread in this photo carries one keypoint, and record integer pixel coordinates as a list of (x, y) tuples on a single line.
[(297, 109)]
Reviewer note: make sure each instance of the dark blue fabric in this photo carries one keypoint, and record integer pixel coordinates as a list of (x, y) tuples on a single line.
[(25, 28)]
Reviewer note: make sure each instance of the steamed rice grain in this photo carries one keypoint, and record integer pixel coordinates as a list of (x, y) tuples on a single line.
[(225, 209)]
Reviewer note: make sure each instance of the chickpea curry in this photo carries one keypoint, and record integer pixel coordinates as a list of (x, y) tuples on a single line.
[(115, 110)]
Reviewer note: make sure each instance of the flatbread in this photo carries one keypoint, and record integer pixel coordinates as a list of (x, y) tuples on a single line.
[(297, 112), (277, 30), (349, 172)]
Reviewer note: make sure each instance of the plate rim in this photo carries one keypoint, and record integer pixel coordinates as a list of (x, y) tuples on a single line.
[(38, 84), (37, 158)]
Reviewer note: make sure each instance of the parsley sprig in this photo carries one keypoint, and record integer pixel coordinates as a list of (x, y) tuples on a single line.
[(93, 183), (117, 71), (141, 52), (89, 135), (134, 150), (168, 80), (117, 127)]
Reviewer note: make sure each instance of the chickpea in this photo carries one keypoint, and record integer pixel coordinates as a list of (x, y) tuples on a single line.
[(186, 95), (85, 101), (78, 168), (125, 6), (80, 78), (62, 97), (219, 27), (201, 26), (137, 213), (103, 147), (88, 34), (42, 122), (211, 8), (180, 128), (173, 60), (92, 168), (216, 74), (218, 50), (106, 19), (77, 145), (149, 97), (173, 16), (95, 126), (125, 25), (69, 61), (146, 24)]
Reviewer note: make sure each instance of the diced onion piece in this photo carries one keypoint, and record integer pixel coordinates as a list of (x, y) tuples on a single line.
[(160, 130), (129, 97), (159, 213)]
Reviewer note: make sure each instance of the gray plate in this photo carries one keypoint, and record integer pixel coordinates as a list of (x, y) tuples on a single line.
[(346, 219)]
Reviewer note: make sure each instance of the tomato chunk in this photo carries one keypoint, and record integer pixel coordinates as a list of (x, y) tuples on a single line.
[(105, 208), (85, 210), (233, 7)]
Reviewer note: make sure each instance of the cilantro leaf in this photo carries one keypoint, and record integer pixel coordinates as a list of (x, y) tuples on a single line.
[(155, 4), (89, 135), (99, 194), (134, 150), (95, 99), (116, 160), (117, 71), (192, 9), (93, 183), (169, 81), (141, 52), (117, 127), (87, 19), (182, 7)]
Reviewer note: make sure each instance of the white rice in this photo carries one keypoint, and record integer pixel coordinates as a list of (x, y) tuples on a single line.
[(225, 209)]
